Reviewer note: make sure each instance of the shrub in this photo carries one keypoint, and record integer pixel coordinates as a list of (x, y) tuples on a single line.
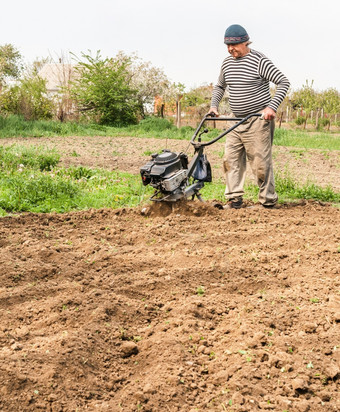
[(27, 99), (10, 63), (323, 122), (300, 120), (103, 92), (158, 124), (80, 172)]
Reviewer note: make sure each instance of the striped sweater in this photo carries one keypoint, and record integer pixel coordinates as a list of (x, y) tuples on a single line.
[(247, 81)]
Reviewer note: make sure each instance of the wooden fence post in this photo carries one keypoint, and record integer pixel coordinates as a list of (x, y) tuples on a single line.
[(317, 119), (280, 121), (178, 114)]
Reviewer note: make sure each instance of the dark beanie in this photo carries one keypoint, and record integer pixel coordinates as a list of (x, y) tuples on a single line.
[(235, 34)]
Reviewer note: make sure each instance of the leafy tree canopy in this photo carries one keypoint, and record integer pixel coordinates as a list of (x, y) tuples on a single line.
[(103, 90), (10, 63)]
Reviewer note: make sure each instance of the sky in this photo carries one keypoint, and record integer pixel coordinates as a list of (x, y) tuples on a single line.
[(184, 38)]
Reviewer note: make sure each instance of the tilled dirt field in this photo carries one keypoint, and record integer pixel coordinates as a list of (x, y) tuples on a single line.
[(171, 308)]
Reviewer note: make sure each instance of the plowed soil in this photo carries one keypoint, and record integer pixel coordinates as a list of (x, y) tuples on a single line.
[(171, 308)]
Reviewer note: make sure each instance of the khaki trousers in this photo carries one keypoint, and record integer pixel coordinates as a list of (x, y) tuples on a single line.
[(250, 141)]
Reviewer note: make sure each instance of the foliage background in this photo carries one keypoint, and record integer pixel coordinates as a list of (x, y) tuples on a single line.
[(124, 89)]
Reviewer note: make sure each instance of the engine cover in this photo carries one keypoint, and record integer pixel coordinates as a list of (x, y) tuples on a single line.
[(173, 182), (165, 171)]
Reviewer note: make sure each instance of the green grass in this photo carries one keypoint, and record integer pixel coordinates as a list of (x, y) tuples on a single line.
[(287, 188), (290, 189), (155, 127), (60, 191), (36, 157), (34, 188), (306, 139), (16, 126), (36, 192), (79, 188), (31, 181)]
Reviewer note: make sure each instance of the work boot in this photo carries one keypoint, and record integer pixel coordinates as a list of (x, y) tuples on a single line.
[(274, 206), (260, 206), (235, 203)]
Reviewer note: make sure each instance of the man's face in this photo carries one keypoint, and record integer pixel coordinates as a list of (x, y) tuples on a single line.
[(238, 50)]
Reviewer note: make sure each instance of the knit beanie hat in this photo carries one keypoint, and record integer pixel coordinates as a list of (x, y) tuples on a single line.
[(235, 34)]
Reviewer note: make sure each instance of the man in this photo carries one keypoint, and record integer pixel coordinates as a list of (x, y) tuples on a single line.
[(247, 74)]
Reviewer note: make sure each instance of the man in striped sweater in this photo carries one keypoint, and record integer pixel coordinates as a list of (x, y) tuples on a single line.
[(246, 74)]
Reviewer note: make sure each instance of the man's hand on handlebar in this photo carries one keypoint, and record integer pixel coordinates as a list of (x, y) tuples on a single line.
[(268, 114), (213, 111)]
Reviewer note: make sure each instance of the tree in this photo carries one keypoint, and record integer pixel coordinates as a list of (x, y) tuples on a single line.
[(306, 99), (10, 63), (27, 98), (149, 82), (144, 78), (199, 100), (102, 89), (330, 101)]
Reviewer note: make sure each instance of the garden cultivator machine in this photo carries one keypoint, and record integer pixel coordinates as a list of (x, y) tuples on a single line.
[(173, 176)]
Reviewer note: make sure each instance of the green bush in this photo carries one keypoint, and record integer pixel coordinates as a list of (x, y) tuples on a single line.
[(27, 99), (10, 63), (157, 124), (300, 120), (79, 172), (323, 122), (103, 92)]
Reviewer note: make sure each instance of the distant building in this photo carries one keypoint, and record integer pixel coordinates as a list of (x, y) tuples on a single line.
[(57, 76)]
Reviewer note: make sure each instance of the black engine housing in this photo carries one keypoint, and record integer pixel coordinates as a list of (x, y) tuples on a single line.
[(164, 166)]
